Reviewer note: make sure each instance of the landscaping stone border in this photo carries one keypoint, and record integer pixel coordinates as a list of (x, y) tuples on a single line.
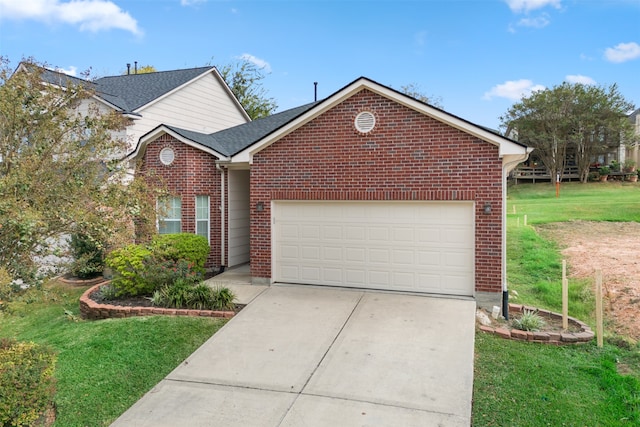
[(89, 309), (555, 338)]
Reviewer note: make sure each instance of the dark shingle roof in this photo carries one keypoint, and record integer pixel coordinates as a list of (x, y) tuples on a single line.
[(127, 92), (233, 140), (132, 91)]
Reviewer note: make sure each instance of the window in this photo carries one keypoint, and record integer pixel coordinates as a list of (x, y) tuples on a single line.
[(170, 211), (202, 216)]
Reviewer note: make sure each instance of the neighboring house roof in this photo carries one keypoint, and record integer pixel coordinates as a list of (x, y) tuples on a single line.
[(130, 92), (633, 116), (230, 141), (133, 91)]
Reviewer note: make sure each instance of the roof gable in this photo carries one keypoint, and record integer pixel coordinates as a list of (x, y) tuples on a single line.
[(131, 92), (507, 146), (227, 142)]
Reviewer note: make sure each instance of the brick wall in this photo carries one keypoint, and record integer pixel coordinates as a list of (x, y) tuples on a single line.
[(192, 173), (407, 156)]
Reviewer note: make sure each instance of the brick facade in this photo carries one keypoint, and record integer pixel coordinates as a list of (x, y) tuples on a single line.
[(192, 173), (407, 156)]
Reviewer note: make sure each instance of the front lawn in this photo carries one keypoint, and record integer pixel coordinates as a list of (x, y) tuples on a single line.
[(524, 384), (103, 366)]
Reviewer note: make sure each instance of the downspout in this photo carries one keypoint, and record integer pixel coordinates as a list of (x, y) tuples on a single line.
[(222, 217), (506, 168)]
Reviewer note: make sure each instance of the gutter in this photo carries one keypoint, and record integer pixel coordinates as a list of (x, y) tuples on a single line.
[(506, 168), (222, 215)]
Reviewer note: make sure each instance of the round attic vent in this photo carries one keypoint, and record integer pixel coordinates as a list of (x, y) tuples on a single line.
[(365, 122), (167, 156)]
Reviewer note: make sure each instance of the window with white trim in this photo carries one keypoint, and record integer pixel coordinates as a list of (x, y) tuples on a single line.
[(170, 215), (202, 216)]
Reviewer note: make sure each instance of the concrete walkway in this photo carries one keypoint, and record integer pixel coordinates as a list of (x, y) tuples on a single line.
[(309, 356)]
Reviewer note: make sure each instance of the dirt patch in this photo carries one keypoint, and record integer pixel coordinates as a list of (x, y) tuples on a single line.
[(614, 248)]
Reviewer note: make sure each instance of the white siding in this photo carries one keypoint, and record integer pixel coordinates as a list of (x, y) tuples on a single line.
[(405, 246), (238, 217), (202, 106)]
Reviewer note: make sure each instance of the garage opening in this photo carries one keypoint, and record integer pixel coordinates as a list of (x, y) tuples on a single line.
[(411, 246)]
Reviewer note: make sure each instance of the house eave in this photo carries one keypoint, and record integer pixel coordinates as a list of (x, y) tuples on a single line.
[(160, 130), (506, 146)]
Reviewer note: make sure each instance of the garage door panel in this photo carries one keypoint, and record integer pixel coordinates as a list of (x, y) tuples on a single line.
[(410, 246), (310, 253)]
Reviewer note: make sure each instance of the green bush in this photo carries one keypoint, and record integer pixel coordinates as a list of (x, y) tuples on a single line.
[(128, 265), (27, 385), (183, 294), (158, 272), (181, 246), (88, 256)]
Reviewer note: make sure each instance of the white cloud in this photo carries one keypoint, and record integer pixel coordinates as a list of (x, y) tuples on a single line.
[(71, 71), (520, 6), (513, 89), (260, 63), (538, 22), (577, 78), (88, 15), (622, 52), (191, 2)]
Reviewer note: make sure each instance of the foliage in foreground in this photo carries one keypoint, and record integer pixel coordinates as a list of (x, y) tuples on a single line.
[(60, 170), (27, 384), (104, 366)]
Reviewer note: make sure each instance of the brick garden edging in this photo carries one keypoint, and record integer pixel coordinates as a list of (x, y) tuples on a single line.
[(89, 309), (584, 335)]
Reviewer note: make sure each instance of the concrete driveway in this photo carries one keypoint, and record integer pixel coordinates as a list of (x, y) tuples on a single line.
[(308, 356)]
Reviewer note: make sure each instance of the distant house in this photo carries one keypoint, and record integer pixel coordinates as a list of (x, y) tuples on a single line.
[(368, 188)]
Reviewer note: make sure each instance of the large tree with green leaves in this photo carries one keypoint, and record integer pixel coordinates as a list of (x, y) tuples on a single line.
[(245, 81), (582, 118), (60, 169)]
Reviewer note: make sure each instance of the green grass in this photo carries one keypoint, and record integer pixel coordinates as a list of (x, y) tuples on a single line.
[(103, 366), (597, 201), (524, 384)]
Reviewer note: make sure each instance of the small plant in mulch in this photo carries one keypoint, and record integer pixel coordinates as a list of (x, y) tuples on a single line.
[(529, 320)]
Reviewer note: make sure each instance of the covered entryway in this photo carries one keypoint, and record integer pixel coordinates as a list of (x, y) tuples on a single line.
[(415, 246)]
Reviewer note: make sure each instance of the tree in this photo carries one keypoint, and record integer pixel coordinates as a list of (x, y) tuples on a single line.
[(414, 91), (244, 79), (60, 169), (143, 69), (583, 119)]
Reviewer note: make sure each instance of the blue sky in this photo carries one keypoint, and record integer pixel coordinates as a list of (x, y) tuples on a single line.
[(477, 57)]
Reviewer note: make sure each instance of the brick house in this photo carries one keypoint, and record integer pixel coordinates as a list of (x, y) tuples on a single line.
[(368, 188)]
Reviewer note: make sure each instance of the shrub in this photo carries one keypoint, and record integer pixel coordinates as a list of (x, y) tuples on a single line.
[(159, 273), (88, 256), (223, 297), (528, 321), (183, 294), (190, 247), (27, 385), (129, 270)]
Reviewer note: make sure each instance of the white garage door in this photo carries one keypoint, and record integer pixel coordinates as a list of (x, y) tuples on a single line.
[(405, 246)]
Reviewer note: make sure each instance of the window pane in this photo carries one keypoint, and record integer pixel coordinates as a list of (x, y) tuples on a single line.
[(171, 208), (202, 207), (202, 216)]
